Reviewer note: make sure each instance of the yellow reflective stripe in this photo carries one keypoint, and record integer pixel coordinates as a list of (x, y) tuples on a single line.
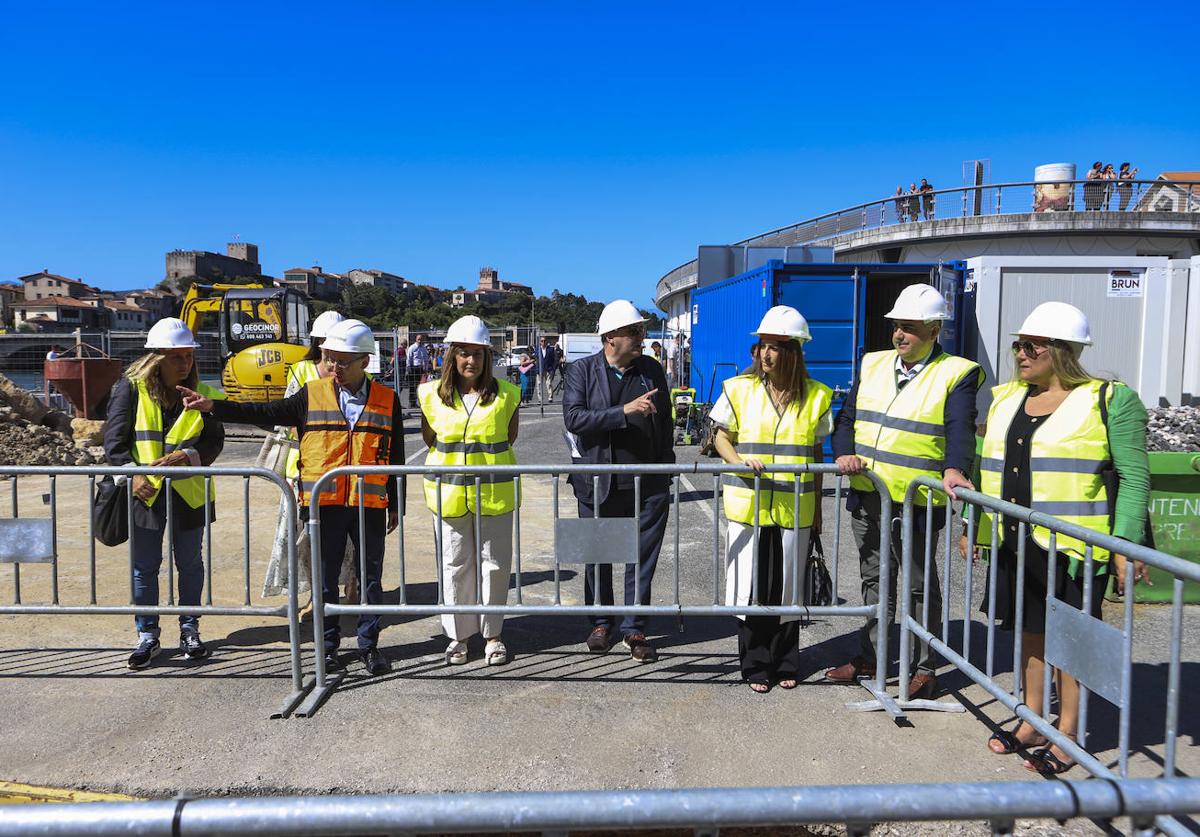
[(1072, 508), (892, 458), (471, 447), (766, 484), (469, 479), (774, 449)]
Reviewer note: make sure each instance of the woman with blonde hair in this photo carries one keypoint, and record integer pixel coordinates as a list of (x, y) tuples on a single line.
[(1052, 434), (148, 425), (468, 417), (776, 414)]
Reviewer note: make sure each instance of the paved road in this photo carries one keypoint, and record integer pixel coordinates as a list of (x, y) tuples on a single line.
[(556, 717)]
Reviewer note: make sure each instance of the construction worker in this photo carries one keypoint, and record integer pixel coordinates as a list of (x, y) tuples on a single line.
[(468, 417), (615, 405), (776, 414), (149, 424), (1053, 432), (343, 419), (299, 374), (910, 413)]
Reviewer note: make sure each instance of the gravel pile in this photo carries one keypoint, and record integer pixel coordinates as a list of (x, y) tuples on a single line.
[(1174, 429), (24, 443)]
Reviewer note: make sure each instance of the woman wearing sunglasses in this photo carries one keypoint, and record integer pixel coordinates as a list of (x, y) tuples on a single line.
[(1052, 434)]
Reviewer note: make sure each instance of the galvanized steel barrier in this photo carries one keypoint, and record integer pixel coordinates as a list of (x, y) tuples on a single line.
[(34, 540), (323, 684), (1109, 675), (704, 810)]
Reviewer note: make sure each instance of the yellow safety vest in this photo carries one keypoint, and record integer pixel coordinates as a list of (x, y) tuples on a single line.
[(787, 439), (214, 393), (470, 437), (150, 444), (901, 432), (1067, 455), (303, 372)]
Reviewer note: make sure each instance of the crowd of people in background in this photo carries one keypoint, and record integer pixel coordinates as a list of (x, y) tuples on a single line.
[(916, 203), (1102, 181)]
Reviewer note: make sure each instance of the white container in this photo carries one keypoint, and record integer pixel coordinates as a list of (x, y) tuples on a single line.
[(1053, 197)]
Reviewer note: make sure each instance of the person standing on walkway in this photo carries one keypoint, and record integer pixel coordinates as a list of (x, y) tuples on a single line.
[(149, 424), (775, 415), (616, 404), (910, 413), (468, 417), (418, 366), (927, 199), (1125, 180), (343, 419), (1052, 434), (547, 364)]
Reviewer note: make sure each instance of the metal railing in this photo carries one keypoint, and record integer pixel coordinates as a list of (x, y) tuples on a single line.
[(967, 201), (323, 684), (1089, 657), (33, 540), (705, 810)]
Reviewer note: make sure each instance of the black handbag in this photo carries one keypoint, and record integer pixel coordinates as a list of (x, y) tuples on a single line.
[(111, 514), (818, 585)]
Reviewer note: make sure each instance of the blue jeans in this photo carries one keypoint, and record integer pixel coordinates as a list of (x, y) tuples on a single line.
[(147, 559)]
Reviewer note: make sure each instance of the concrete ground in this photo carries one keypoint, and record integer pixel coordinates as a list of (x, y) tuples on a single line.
[(556, 717)]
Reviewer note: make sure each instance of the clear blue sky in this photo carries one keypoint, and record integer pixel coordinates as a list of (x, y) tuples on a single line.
[(586, 147)]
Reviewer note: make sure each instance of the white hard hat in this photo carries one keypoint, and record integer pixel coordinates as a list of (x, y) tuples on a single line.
[(786, 321), (170, 333), (618, 314), (350, 336), (1057, 321), (322, 324), (919, 302), (468, 330)]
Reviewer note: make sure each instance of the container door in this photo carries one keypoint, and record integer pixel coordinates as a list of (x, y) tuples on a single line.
[(832, 302), (948, 279)]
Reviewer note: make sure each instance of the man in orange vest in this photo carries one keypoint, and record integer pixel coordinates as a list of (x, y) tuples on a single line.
[(343, 419)]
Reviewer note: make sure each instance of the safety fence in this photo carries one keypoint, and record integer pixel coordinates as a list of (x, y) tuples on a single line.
[(32, 540), (1097, 655), (705, 811), (594, 541)]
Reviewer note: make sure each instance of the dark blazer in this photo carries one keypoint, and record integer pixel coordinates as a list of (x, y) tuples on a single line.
[(588, 412)]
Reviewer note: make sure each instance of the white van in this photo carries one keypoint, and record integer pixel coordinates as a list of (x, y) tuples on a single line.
[(576, 345)]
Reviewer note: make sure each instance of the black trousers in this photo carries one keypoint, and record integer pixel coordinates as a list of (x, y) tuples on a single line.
[(337, 524), (652, 525), (767, 647)]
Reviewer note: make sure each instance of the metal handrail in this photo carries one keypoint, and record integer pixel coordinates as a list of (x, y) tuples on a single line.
[(999, 803), (968, 192)]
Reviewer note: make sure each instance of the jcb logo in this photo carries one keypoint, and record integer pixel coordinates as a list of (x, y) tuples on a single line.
[(268, 356)]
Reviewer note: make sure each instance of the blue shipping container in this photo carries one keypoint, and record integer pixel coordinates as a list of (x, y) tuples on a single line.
[(843, 303)]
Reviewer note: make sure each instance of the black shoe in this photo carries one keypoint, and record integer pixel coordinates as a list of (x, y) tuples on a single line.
[(374, 661), (147, 649), (192, 647), (332, 662)]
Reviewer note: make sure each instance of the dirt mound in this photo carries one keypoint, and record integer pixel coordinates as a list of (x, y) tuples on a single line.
[(24, 443)]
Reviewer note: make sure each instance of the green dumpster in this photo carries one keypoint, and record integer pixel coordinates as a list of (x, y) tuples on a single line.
[(1175, 519)]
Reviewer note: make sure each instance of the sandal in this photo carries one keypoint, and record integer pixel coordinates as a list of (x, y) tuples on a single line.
[(495, 652), (456, 653), (759, 687), (788, 683), (1009, 743), (1044, 761)]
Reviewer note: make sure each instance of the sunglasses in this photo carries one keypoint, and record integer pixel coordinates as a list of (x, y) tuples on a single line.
[(1030, 348), (636, 330)]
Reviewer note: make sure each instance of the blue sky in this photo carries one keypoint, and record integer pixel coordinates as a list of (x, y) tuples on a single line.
[(583, 147)]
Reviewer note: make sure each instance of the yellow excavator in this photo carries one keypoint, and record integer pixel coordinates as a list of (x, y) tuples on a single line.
[(264, 330)]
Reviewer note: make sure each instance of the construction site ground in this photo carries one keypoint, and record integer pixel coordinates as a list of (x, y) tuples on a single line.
[(556, 717)]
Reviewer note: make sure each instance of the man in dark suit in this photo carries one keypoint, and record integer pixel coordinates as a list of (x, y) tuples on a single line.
[(547, 363), (616, 403)]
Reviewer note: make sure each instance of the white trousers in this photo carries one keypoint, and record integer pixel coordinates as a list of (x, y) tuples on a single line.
[(461, 573), (740, 562)]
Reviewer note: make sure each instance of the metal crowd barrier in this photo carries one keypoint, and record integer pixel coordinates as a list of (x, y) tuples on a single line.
[(34, 540), (1076, 642), (705, 810), (582, 540)]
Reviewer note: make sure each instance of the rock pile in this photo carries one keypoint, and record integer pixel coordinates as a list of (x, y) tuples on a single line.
[(1174, 429), (24, 443)]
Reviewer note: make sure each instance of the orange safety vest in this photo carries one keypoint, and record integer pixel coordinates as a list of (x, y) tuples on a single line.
[(328, 442)]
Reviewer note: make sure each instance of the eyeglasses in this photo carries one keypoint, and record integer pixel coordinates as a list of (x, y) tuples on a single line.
[(635, 330), (339, 364), (1031, 349)]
